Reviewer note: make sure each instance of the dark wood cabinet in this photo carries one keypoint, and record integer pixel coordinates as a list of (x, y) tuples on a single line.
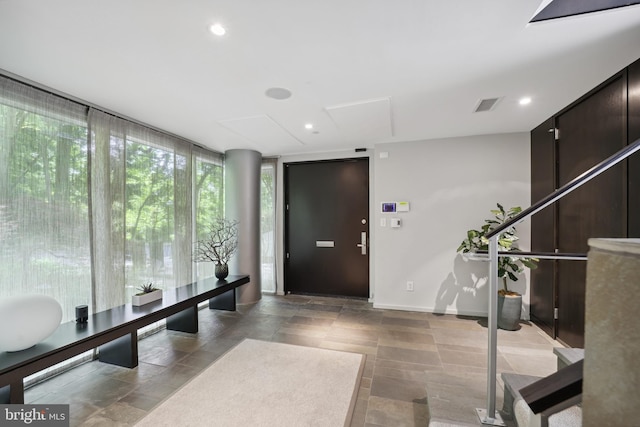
[(589, 132), (633, 187), (586, 132), (543, 182)]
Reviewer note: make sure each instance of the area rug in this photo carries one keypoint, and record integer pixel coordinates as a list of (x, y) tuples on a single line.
[(259, 383)]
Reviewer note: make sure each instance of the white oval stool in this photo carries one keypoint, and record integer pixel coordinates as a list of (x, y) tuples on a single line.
[(27, 320)]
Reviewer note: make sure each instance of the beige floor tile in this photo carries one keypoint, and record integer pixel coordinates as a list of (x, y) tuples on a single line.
[(345, 330), (413, 345), (408, 336), (537, 365), (408, 355), (411, 358), (353, 348), (395, 413)]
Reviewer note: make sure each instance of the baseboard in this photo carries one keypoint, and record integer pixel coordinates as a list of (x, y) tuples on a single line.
[(430, 310)]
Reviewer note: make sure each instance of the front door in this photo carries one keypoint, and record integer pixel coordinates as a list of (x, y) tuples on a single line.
[(327, 227)]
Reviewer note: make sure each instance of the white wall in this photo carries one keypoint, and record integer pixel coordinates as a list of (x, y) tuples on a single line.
[(451, 185)]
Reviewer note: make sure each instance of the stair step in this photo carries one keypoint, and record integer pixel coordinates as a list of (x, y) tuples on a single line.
[(515, 409), (568, 356), (512, 384), (570, 417)]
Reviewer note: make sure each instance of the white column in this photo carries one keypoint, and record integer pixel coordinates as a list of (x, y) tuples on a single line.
[(242, 203)]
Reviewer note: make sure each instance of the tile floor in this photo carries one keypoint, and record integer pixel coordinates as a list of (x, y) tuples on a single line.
[(412, 358)]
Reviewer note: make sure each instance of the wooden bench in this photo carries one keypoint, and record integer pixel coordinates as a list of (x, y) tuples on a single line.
[(114, 331)]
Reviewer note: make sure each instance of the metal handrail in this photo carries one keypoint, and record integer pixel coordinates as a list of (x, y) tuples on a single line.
[(489, 416), (569, 187), (539, 255)]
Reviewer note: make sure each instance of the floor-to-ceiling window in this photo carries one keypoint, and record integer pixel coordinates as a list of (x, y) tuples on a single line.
[(268, 225), (44, 224), (208, 200), (149, 215), (92, 206)]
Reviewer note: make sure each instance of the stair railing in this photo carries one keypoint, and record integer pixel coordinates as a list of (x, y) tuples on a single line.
[(489, 416)]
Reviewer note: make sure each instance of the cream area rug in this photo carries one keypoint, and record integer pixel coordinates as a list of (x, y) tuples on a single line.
[(259, 383)]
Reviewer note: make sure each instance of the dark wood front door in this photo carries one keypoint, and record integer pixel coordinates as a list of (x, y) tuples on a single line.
[(589, 132), (327, 227)]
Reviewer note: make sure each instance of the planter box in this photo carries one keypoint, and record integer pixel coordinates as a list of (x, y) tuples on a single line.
[(138, 300)]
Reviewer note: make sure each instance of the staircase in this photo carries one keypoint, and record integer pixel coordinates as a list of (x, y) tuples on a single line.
[(610, 393), (605, 376), (516, 412)]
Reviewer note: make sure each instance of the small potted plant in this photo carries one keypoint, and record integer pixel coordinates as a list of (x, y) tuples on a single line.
[(509, 268), (218, 246), (148, 293)]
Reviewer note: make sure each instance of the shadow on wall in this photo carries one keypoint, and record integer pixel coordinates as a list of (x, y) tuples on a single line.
[(463, 286), (466, 287)]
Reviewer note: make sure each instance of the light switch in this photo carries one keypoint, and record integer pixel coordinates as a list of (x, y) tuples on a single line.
[(383, 222)]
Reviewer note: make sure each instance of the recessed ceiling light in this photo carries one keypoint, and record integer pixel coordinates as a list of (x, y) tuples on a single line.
[(525, 101), (217, 29), (308, 126), (278, 93)]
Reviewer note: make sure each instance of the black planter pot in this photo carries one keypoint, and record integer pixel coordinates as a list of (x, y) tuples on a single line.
[(222, 271), (509, 308)]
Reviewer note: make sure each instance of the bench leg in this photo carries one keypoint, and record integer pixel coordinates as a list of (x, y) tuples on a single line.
[(184, 321), (13, 393), (224, 301), (122, 351)]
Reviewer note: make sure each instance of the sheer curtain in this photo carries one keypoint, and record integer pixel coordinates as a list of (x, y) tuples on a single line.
[(107, 159), (208, 199), (268, 225), (141, 209), (93, 206), (44, 223)]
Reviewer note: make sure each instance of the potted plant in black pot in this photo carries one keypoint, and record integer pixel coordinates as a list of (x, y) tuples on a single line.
[(509, 268), (219, 245)]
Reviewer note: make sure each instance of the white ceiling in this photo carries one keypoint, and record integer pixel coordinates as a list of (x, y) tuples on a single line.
[(362, 71)]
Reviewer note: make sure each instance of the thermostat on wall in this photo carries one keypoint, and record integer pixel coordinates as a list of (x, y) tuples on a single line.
[(388, 207), (391, 207)]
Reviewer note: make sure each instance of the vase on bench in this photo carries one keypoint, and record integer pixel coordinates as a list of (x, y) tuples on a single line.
[(218, 245), (222, 271)]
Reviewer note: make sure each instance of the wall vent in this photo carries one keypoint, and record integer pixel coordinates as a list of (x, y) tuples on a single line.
[(486, 104)]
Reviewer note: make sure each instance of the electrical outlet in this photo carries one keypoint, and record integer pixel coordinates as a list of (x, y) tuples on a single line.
[(410, 286)]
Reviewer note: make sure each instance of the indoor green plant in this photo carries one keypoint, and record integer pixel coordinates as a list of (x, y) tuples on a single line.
[(509, 268), (219, 245), (147, 293)]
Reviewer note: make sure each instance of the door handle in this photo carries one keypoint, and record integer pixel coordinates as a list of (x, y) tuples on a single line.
[(363, 243)]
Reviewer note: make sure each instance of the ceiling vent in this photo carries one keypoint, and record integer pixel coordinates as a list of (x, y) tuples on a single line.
[(486, 104)]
